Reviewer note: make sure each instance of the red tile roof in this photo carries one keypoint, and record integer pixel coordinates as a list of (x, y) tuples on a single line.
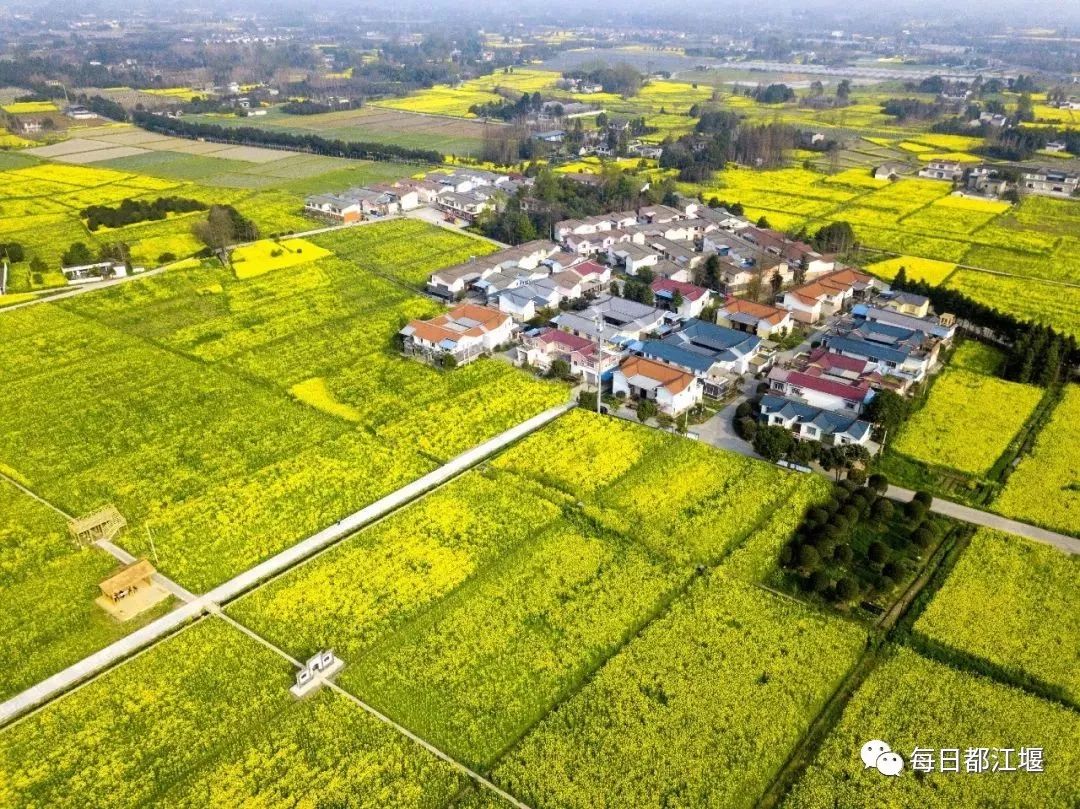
[(689, 291), (855, 392), (438, 328), (827, 360), (761, 311), (672, 378), (564, 338)]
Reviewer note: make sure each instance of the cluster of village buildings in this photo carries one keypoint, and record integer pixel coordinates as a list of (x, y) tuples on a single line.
[(548, 301), (988, 181), (463, 194)]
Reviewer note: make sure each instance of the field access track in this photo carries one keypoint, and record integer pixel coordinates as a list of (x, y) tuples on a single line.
[(210, 602)]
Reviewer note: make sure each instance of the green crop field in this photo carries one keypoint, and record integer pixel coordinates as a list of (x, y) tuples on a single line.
[(1045, 487), (1052, 304), (473, 612), (963, 425), (1015, 603), (48, 586), (186, 380), (388, 122), (911, 702), (206, 719), (702, 709), (42, 203), (979, 358)]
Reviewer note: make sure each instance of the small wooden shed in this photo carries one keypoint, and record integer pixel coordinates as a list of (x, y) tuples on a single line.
[(128, 581), (105, 523)]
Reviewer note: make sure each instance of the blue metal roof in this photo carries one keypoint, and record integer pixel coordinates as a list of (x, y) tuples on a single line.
[(658, 350), (709, 336), (864, 348), (828, 422), (887, 329)]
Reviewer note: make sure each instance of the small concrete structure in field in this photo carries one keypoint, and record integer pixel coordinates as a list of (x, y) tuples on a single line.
[(317, 670), (105, 523), (131, 591)]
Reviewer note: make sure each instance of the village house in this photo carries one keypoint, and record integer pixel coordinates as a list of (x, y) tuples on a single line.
[(647, 231), (334, 206), (1050, 183), (691, 299), (609, 319), (822, 362), (889, 171), (541, 347), (986, 181), (631, 257), (659, 214), (942, 170), (814, 423), (451, 283), (465, 333), (906, 303), (466, 205), (820, 391), (524, 301), (994, 119), (725, 349), (755, 318), (894, 350), (671, 271), (826, 295), (940, 328), (647, 150), (679, 252), (674, 391), (426, 191), (406, 199)]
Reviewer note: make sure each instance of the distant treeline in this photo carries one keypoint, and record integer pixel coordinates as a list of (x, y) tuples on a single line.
[(105, 107), (318, 107), (621, 79), (721, 138), (1037, 353), (253, 136), (131, 211)]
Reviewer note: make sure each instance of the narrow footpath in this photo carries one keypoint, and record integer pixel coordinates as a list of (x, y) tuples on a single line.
[(142, 638)]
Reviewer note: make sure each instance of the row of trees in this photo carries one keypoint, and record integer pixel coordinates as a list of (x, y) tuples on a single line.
[(621, 79), (508, 110), (253, 136), (554, 197), (309, 107), (1036, 352), (1020, 143), (1038, 356), (723, 137), (12, 252), (131, 211)]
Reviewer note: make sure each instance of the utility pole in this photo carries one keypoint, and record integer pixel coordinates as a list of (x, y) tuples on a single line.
[(153, 548)]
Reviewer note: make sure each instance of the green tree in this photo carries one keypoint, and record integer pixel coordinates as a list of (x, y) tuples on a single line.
[(887, 409), (877, 552), (882, 510), (846, 589), (560, 369), (77, 254), (809, 558), (646, 410), (773, 442)]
